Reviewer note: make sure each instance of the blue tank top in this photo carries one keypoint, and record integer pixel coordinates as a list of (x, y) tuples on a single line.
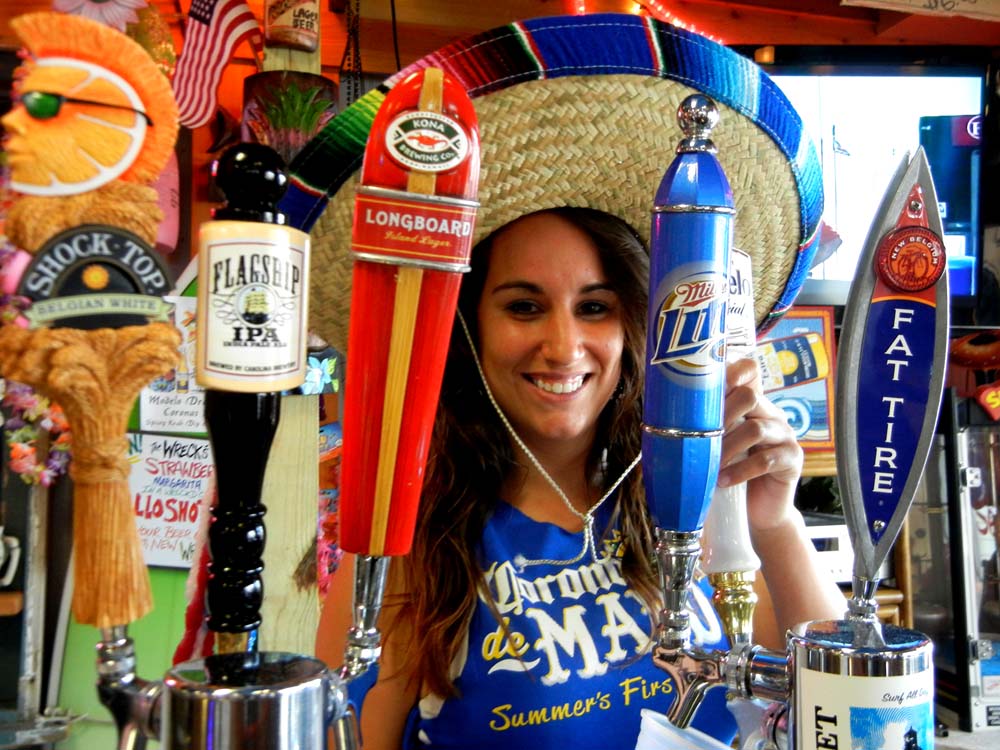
[(574, 668)]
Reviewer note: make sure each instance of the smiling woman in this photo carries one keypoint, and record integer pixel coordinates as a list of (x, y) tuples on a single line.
[(551, 332), (530, 584)]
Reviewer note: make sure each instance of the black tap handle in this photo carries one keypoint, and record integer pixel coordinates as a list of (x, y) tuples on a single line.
[(242, 428), (241, 425)]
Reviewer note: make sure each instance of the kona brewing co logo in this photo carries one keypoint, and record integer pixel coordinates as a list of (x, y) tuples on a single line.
[(427, 141), (691, 325)]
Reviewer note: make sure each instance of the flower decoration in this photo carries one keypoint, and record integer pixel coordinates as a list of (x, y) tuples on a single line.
[(30, 417), (12, 306), (321, 374), (113, 13)]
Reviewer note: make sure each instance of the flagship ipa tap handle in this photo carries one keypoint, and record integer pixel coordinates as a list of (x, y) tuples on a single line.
[(251, 345)]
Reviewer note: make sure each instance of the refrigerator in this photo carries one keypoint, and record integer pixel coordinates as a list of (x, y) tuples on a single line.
[(954, 566)]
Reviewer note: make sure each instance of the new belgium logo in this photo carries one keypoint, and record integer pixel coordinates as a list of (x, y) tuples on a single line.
[(910, 259), (427, 141)]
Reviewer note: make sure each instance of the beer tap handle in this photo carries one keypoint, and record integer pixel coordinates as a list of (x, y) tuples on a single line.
[(420, 175), (894, 338), (242, 426), (238, 308), (685, 371), (729, 558), (420, 172), (891, 376)]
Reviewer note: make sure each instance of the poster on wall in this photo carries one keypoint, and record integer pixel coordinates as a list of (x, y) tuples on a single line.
[(169, 480), (796, 361), (175, 403)]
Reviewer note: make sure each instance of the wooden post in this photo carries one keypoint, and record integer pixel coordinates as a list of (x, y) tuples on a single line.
[(289, 615)]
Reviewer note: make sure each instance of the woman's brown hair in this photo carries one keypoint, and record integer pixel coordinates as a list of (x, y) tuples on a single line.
[(471, 455)]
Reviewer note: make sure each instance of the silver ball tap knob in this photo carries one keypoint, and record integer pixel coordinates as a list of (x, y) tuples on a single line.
[(697, 116)]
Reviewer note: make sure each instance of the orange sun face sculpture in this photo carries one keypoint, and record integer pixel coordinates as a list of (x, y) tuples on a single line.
[(92, 107)]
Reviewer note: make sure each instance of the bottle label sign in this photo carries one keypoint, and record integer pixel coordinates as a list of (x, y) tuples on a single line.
[(254, 316), (741, 324), (401, 230)]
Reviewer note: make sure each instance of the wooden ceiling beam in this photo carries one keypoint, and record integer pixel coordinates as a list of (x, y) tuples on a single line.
[(814, 9), (889, 22), (814, 23)]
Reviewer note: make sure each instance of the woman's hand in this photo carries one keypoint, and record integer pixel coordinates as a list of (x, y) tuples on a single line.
[(759, 448)]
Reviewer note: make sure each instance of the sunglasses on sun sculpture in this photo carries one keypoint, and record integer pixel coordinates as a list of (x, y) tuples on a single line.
[(44, 105)]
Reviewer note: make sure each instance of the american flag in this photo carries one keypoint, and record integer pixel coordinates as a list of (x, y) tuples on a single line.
[(213, 30)]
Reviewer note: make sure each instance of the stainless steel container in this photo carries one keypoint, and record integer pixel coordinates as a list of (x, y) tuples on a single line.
[(251, 701), (861, 684)]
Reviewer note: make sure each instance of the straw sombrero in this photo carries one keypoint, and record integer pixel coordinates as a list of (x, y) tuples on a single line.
[(581, 111)]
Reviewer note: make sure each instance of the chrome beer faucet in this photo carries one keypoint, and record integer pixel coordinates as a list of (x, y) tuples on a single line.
[(685, 377), (837, 677)]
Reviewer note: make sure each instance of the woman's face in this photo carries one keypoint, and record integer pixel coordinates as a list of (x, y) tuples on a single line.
[(551, 332)]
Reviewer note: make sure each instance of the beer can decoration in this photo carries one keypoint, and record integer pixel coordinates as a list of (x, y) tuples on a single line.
[(686, 337), (413, 220)]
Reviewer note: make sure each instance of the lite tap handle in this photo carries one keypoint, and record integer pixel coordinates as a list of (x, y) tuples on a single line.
[(686, 347)]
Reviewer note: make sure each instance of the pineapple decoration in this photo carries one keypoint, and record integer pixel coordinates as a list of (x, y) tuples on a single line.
[(93, 124), (284, 109)]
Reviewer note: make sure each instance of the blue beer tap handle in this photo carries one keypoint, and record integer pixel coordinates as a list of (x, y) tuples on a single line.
[(685, 344), (891, 367)]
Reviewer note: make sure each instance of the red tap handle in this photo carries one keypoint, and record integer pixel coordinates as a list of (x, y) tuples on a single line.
[(413, 222)]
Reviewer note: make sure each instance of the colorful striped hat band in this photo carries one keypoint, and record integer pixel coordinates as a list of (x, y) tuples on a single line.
[(581, 111)]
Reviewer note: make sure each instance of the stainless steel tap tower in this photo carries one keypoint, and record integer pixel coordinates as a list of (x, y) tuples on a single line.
[(843, 681)]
